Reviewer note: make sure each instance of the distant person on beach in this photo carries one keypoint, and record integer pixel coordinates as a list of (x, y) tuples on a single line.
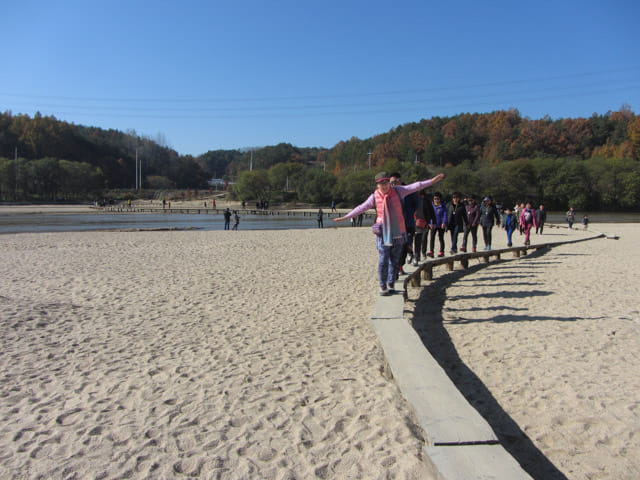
[(527, 222), (389, 227), (509, 223), (585, 221), (473, 220), (320, 223), (438, 225), (571, 217), (488, 218), (236, 218), (227, 218), (541, 217), (333, 205)]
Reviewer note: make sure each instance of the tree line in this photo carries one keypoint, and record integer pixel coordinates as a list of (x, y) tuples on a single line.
[(591, 163)]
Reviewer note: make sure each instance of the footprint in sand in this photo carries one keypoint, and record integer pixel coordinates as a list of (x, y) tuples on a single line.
[(69, 418)]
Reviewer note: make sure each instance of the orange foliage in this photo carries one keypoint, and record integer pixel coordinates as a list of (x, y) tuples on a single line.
[(450, 129)]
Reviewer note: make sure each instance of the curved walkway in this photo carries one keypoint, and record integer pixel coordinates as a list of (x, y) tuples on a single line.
[(460, 442)]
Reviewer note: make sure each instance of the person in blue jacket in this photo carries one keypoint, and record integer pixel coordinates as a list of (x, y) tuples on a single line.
[(509, 223), (438, 225)]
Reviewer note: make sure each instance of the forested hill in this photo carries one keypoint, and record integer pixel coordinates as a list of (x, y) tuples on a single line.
[(466, 145), (501, 136), (113, 152)]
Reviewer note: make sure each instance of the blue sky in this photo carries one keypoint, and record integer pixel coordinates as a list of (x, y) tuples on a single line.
[(208, 75)]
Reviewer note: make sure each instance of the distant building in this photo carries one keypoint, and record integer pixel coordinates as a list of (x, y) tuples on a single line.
[(219, 183)]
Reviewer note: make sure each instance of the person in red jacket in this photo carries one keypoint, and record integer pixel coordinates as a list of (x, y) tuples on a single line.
[(528, 221)]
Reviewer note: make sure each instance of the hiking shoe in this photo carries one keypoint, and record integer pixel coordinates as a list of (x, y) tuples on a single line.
[(430, 254), (384, 291), (415, 262), (473, 249), (441, 254), (391, 289), (463, 249)]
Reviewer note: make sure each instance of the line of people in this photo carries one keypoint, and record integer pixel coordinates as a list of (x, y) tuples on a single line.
[(408, 222), (464, 216)]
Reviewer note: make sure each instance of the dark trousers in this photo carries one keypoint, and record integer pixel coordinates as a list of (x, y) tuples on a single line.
[(486, 233), (440, 233), (474, 236), (455, 231), (408, 247), (418, 247)]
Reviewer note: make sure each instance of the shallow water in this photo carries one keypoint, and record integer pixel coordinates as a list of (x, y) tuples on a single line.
[(59, 222)]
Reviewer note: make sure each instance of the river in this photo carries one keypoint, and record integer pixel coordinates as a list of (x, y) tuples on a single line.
[(63, 222)]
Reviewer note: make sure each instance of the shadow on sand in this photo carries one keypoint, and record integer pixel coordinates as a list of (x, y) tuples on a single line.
[(428, 322)]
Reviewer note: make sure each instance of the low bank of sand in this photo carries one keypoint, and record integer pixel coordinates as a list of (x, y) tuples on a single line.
[(197, 354), (44, 209), (549, 346)]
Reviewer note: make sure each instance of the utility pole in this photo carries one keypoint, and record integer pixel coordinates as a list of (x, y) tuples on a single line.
[(139, 172), (251, 162), (136, 184), (369, 159), (15, 171)]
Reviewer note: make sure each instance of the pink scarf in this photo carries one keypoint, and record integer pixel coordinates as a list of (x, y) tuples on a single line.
[(389, 213)]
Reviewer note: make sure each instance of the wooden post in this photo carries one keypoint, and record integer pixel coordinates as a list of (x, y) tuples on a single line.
[(415, 280), (516, 253), (450, 266), (464, 262), (485, 259), (427, 272)]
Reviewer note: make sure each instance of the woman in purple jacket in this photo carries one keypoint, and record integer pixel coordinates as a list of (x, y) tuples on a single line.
[(439, 225)]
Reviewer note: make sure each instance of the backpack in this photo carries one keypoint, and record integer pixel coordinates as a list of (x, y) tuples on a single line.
[(528, 216)]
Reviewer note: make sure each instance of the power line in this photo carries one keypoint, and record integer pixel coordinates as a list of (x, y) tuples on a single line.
[(439, 89), (345, 109)]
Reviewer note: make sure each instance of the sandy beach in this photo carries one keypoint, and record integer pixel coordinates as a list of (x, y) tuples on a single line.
[(249, 355), (197, 355), (548, 347)]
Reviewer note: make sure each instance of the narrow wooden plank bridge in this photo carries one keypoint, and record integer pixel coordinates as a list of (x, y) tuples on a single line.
[(220, 211), (425, 270)]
